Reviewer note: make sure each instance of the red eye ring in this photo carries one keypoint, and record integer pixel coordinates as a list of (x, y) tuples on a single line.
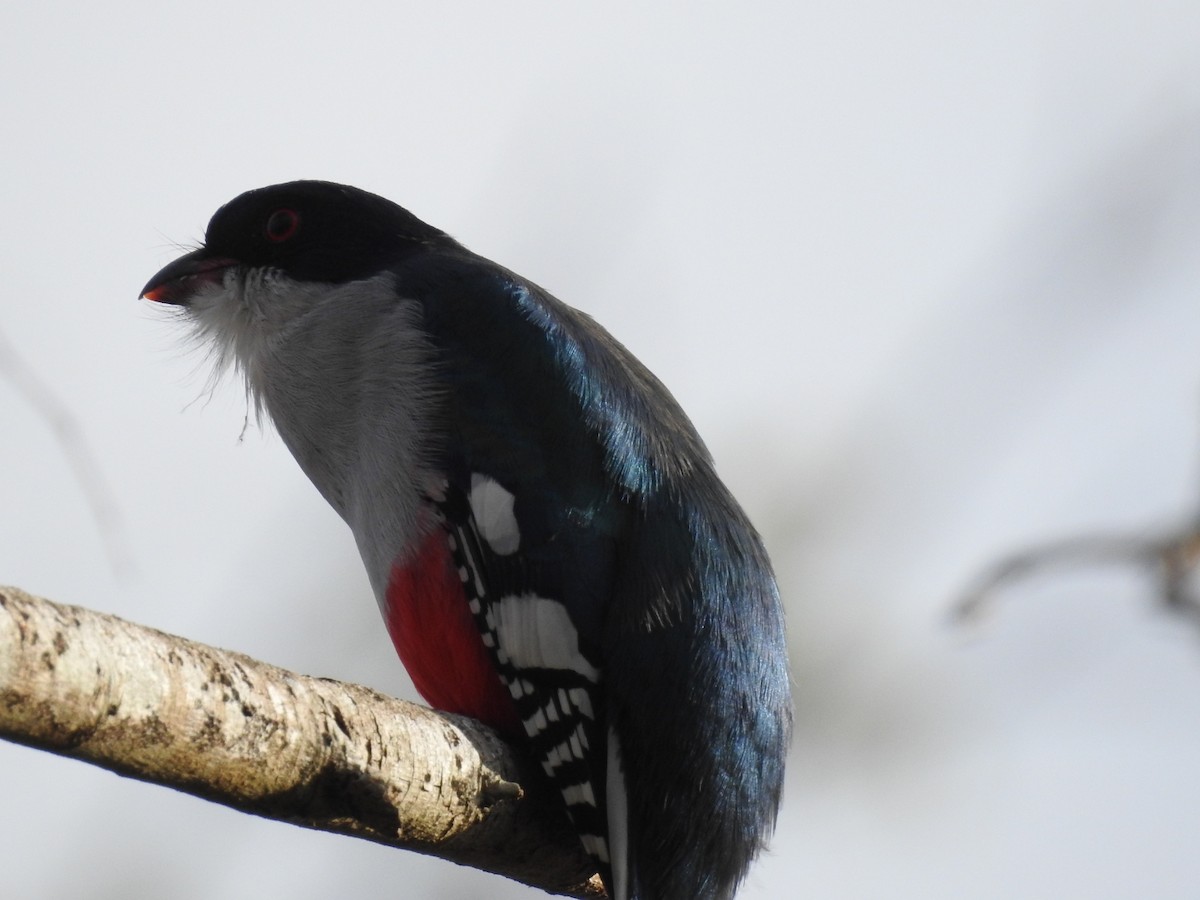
[(281, 225)]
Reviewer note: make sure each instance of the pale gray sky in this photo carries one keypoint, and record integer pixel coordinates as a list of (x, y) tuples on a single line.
[(924, 275)]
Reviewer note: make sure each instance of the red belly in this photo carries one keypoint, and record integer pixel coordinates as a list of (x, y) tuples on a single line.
[(432, 630)]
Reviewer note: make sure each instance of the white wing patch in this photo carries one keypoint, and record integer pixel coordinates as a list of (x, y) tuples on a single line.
[(492, 507), (570, 750), (581, 701), (595, 845), (618, 818), (538, 633), (557, 705), (536, 648), (579, 793)]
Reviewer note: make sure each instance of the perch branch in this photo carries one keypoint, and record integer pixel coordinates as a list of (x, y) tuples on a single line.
[(310, 751)]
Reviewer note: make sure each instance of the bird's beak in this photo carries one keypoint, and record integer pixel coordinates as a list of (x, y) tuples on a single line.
[(177, 282)]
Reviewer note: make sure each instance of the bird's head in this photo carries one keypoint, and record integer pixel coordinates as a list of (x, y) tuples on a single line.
[(273, 254), (308, 231)]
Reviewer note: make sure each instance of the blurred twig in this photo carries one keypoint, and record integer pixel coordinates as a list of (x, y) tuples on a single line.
[(1172, 558), (71, 438)]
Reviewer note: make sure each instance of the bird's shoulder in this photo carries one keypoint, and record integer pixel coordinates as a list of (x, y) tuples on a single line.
[(527, 367)]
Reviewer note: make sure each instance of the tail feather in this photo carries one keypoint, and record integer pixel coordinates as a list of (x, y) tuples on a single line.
[(618, 819)]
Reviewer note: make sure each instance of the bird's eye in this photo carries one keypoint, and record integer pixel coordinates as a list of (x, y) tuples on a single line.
[(282, 224)]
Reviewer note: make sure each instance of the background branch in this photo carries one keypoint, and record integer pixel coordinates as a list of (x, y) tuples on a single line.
[(310, 751), (1172, 557)]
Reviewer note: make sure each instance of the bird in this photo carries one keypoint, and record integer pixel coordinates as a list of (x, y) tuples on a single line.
[(542, 526)]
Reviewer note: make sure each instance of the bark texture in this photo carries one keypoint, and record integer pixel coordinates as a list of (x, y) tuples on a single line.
[(310, 751)]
